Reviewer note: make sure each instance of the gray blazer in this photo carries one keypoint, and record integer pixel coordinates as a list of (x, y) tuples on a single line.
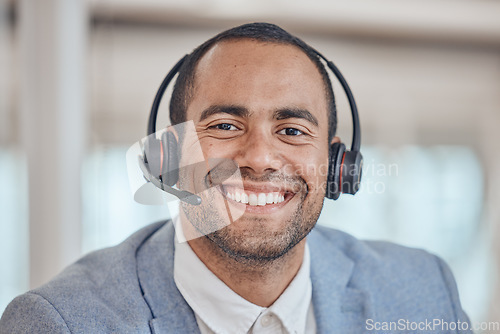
[(357, 287)]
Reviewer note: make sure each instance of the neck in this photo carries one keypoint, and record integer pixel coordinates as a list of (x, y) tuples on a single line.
[(260, 283)]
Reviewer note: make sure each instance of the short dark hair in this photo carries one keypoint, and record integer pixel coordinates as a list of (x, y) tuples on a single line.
[(262, 32)]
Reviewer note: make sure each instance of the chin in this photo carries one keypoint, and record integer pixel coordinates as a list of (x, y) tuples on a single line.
[(260, 238)]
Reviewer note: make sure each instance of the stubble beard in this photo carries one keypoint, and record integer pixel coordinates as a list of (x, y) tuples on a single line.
[(256, 246)]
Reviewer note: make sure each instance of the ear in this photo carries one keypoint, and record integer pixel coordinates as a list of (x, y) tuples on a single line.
[(335, 140)]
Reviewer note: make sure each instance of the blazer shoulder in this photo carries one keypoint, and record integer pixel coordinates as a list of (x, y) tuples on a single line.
[(110, 268), (382, 254), (398, 278), (19, 316), (99, 290)]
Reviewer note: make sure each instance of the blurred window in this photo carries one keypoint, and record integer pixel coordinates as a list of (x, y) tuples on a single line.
[(110, 213), (14, 235)]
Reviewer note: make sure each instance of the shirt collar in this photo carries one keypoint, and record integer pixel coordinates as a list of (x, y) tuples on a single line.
[(293, 304), (223, 310)]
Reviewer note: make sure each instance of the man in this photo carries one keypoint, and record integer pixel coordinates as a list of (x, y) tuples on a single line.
[(259, 97)]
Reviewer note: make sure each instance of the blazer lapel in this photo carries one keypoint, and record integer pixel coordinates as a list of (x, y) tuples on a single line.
[(155, 269), (338, 307)]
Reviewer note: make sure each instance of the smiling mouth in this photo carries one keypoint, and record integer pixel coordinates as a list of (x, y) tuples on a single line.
[(254, 197)]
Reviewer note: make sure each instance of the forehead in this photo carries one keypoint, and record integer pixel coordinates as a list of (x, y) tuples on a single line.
[(257, 76)]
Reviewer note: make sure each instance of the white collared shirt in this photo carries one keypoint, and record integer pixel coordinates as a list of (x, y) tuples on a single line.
[(218, 309)]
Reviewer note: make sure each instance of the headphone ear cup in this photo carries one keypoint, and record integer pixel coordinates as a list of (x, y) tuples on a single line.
[(336, 155), (351, 172), (170, 168), (152, 155)]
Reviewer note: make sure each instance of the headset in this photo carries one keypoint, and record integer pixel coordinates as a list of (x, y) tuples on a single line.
[(160, 160)]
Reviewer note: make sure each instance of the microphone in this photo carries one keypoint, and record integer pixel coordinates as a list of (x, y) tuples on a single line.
[(183, 195), (223, 170)]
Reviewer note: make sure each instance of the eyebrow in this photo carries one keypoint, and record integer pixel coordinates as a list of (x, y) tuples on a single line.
[(295, 113), (239, 111), (222, 109)]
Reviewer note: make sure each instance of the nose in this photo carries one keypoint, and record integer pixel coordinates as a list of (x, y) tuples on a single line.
[(259, 153)]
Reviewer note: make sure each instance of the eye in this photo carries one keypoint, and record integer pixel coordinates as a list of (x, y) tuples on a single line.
[(291, 132), (225, 127)]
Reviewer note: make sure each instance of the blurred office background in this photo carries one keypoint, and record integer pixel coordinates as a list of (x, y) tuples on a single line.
[(77, 79)]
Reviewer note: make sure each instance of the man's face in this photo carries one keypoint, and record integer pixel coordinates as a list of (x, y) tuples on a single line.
[(264, 106)]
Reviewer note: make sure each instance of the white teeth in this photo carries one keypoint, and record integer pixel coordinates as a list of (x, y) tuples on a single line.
[(269, 198), (252, 199), (262, 199), (244, 198)]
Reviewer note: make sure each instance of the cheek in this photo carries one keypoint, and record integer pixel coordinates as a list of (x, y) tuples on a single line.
[(191, 151), (312, 168), (210, 148), (215, 149)]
